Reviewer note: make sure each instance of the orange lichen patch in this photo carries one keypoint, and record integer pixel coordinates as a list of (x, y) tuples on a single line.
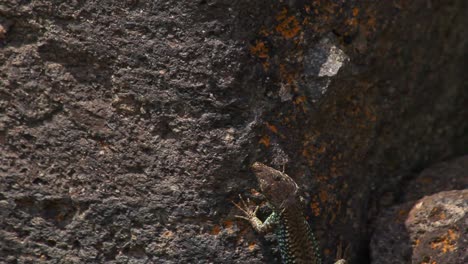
[(254, 192), (228, 225), (315, 206), (300, 100), (403, 213), (447, 243), (272, 128), (416, 243), (300, 103), (308, 156), (321, 178), (288, 26), (265, 140), (371, 22), (252, 246), (352, 22), (287, 76), (355, 11), (216, 229), (323, 196), (3, 32), (264, 32), (168, 234), (322, 149), (437, 214), (259, 49)]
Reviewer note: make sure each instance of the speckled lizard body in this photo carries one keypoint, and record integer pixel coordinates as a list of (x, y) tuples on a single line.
[(296, 240)]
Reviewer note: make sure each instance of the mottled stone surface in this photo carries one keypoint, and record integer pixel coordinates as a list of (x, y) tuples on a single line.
[(127, 127), (431, 229)]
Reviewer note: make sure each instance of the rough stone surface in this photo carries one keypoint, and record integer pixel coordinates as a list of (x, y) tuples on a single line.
[(432, 230), (427, 229), (443, 176), (127, 127)]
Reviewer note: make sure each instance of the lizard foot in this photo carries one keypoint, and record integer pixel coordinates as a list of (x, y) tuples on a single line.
[(340, 254), (245, 207)]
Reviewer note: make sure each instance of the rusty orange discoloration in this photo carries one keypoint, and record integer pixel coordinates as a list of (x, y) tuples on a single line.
[(300, 99), (315, 206), (254, 192), (322, 149), (264, 32), (306, 154), (323, 196), (288, 26), (168, 234), (229, 226), (287, 76), (3, 32), (300, 102), (265, 140), (446, 243), (216, 229), (272, 128), (355, 11), (252, 246), (437, 214), (259, 49), (327, 252), (403, 213)]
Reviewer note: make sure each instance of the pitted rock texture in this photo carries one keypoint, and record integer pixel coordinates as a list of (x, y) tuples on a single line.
[(127, 127), (427, 229), (432, 230)]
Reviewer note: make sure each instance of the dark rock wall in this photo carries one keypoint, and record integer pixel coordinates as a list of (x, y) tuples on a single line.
[(127, 127)]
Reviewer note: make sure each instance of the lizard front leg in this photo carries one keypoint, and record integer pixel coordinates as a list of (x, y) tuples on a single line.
[(251, 215)]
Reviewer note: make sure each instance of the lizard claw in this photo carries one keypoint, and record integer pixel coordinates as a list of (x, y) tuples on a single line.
[(242, 217), (340, 254)]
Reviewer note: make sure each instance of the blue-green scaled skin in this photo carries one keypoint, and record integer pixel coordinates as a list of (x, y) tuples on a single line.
[(296, 240)]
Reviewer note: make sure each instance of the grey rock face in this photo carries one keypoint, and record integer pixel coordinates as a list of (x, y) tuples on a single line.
[(127, 127)]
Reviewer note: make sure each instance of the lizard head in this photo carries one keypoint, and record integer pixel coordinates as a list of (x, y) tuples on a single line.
[(279, 189)]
